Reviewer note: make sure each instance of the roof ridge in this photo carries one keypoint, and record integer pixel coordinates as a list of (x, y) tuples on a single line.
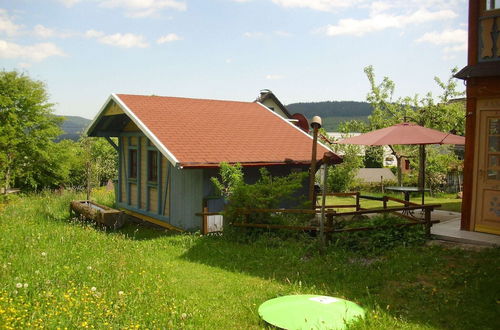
[(184, 98)]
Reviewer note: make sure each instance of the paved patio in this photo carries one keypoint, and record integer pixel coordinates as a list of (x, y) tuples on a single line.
[(449, 230)]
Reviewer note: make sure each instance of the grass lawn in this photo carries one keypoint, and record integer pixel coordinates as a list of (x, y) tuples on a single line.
[(448, 202), (55, 272)]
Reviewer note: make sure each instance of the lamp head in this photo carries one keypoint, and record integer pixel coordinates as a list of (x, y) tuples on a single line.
[(316, 122)]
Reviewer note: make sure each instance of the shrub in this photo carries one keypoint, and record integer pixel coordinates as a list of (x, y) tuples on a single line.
[(267, 193), (376, 240)]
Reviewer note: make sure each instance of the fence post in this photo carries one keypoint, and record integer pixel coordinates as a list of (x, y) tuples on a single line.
[(204, 227), (428, 223), (385, 202), (357, 201)]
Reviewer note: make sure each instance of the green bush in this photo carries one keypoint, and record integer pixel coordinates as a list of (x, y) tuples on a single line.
[(267, 193), (377, 240)]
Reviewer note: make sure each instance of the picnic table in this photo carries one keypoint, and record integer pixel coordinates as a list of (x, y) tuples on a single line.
[(407, 190)]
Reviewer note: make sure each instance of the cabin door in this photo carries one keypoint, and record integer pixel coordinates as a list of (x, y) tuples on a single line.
[(487, 197)]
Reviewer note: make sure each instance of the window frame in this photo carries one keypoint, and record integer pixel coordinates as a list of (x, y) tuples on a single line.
[(152, 166)]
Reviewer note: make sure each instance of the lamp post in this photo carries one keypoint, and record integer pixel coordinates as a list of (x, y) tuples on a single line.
[(315, 125)]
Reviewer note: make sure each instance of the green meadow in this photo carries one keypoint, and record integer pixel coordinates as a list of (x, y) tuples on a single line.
[(57, 272)]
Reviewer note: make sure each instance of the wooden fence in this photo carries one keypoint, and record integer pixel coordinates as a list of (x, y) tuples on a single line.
[(331, 214)]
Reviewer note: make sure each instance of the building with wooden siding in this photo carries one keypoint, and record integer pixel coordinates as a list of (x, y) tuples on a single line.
[(170, 147), (481, 195)]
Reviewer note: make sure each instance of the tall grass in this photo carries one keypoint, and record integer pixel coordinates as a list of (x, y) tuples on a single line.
[(58, 272)]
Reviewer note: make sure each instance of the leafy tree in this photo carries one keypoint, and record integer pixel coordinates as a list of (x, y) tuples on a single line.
[(341, 177), (373, 157), (28, 127)]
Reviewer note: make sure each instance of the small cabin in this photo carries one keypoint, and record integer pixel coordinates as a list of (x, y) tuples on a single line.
[(169, 148), (481, 192)]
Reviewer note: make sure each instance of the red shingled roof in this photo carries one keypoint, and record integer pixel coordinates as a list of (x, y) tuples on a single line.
[(202, 132)]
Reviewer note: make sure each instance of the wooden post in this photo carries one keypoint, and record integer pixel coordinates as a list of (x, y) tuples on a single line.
[(385, 202), (428, 223), (323, 203), (421, 171), (357, 201), (204, 227), (312, 171)]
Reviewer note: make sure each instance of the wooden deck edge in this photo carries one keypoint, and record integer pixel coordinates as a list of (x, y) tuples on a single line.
[(153, 220)]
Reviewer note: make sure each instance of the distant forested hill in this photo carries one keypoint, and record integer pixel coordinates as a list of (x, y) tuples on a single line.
[(332, 112), (73, 127)]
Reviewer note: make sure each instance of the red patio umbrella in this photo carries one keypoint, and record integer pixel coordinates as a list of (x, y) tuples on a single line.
[(406, 134)]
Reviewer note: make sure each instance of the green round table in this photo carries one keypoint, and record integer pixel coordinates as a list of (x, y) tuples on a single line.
[(310, 312)]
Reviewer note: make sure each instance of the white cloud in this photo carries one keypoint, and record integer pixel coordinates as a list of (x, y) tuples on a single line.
[(229, 60), (93, 34), (321, 5), (36, 52), (274, 76), (143, 8), (456, 48), (458, 36), (454, 40), (253, 34), (43, 32), (282, 33), (126, 40), (381, 21), (23, 65), (69, 3), (7, 25), (168, 38)]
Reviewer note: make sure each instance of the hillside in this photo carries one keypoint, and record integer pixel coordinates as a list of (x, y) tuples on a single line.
[(73, 127), (333, 112)]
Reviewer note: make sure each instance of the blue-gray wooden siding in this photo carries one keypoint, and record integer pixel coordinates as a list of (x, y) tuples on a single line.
[(186, 198)]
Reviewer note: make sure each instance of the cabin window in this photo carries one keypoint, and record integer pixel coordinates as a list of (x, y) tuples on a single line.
[(492, 4), (152, 165), (132, 154)]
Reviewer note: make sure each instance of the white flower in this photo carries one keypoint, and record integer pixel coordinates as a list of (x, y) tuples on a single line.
[(93, 289), (89, 267), (37, 272), (25, 285), (183, 315), (120, 293), (44, 254), (19, 285)]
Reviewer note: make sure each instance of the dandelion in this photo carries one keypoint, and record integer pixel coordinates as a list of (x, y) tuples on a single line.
[(89, 267), (120, 293), (25, 285), (44, 254), (183, 316), (93, 289), (19, 285)]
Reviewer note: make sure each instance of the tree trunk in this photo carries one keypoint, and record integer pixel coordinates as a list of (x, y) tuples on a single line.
[(7, 174), (400, 172)]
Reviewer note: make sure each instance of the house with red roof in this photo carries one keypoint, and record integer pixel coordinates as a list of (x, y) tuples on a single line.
[(170, 147)]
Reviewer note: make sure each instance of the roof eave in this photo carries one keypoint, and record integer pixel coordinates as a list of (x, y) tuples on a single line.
[(156, 142)]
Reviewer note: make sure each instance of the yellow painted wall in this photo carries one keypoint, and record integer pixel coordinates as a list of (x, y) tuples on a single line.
[(144, 171), (144, 187), (124, 169)]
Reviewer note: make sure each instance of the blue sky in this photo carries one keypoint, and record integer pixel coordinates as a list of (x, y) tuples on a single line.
[(303, 50)]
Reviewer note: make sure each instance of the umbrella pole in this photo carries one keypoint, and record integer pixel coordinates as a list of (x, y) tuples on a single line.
[(421, 177)]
